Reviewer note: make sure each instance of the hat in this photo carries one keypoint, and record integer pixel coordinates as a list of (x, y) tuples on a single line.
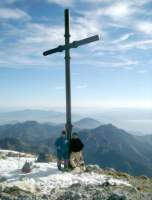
[(74, 134), (63, 132)]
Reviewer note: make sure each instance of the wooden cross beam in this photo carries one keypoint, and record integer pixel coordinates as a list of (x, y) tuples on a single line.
[(66, 47), (74, 44)]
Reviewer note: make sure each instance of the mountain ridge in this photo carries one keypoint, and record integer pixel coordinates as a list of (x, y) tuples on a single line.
[(105, 145)]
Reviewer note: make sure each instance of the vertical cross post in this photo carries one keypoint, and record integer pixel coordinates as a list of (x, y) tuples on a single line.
[(66, 47), (67, 74)]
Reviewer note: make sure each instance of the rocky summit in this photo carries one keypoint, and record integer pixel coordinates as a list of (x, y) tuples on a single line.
[(45, 182)]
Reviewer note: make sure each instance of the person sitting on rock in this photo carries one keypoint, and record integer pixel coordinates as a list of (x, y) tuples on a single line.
[(76, 157), (62, 147)]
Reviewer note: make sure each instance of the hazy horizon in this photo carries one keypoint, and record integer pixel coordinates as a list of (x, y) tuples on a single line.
[(133, 120)]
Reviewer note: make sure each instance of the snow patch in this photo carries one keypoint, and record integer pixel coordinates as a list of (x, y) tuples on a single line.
[(45, 176)]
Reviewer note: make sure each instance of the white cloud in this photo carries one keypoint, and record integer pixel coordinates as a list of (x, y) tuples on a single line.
[(97, 1), (117, 11), (118, 63), (128, 62), (33, 38), (80, 28), (145, 27), (117, 47), (8, 13), (40, 33), (83, 27), (131, 2), (121, 14), (139, 3), (141, 44), (63, 3), (28, 45), (123, 38)]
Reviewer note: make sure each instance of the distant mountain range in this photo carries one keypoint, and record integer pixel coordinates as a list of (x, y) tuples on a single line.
[(87, 123), (137, 122), (105, 145), (34, 115)]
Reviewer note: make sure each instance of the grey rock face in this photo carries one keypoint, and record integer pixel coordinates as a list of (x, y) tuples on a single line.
[(2, 179), (79, 192), (15, 193), (90, 192), (117, 197)]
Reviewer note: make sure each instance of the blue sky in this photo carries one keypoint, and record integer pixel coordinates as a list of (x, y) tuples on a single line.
[(113, 72)]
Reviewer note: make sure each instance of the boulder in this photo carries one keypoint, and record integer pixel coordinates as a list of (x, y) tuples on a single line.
[(44, 157), (116, 196), (2, 179), (93, 168)]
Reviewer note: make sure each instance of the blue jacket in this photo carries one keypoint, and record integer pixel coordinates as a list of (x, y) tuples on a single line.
[(62, 145)]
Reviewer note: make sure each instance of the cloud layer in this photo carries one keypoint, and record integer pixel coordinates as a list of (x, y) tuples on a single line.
[(123, 25)]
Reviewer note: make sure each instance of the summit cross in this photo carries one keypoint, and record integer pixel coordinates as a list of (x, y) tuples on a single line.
[(66, 47)]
